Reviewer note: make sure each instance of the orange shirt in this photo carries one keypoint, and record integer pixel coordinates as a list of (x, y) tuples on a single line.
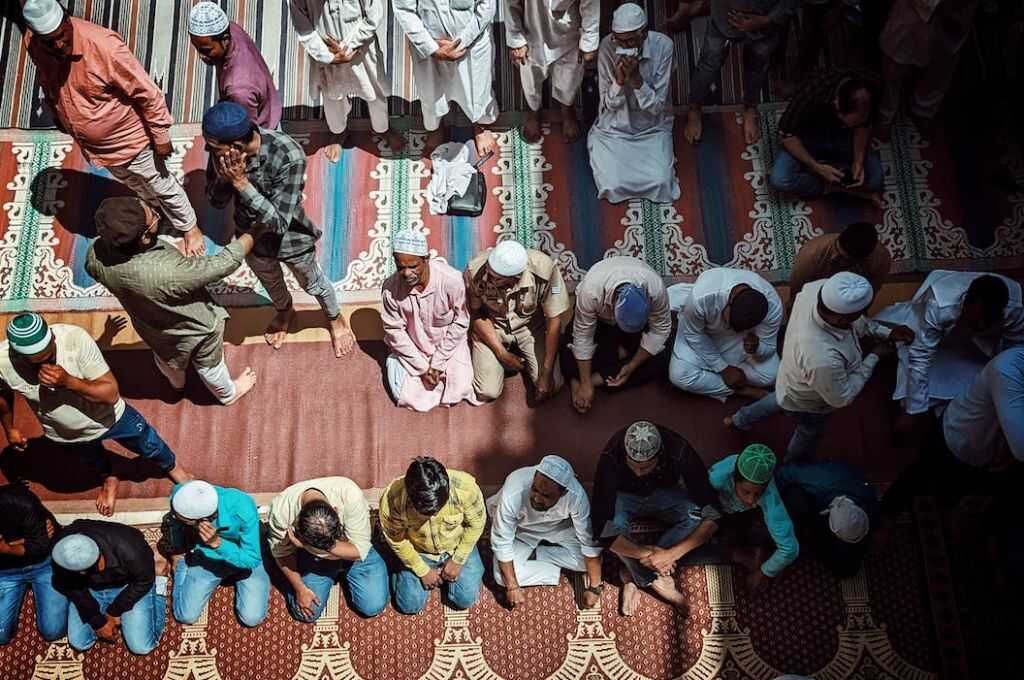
[(102, 97)]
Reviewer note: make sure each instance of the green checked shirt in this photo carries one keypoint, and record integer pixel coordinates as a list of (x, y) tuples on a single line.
[(270, 208), (165, 294)]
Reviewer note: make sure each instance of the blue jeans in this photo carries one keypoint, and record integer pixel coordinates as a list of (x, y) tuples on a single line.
[(367, 582), (133, 432), (142, 626), (790, 176), (809, 426), (671, 506), (715, 48), (51, 606), (197, 576), (411, 597)]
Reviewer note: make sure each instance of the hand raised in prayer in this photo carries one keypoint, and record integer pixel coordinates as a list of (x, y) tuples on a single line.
[(515, 596), (342, 53), (586, 57), (431, 580), (17, 440), (517, 55), (733, 377), (619, 72), (449, 50), (622, 377), (52, 375), (450, 571), (230, 166), (630, 72), (208, 534), (747, 22), (750, 343), (902, 334), (660, 560), (511, 361)]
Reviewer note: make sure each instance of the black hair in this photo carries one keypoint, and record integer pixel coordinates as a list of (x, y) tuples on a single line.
[(427, 485), (859, 239), (992, 294), (318, 525), (747, 309), (846, 93)]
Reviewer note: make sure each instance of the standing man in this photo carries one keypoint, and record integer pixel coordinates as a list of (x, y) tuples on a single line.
[(757, 25), (823, 367), (516, 298), (634, 120), (61, 373), (647, 471), (219, 530), (102, 96), (453, 61), (26, 537), (622, 319), (345, 61), (319, 530), (242, 74), (855, 249), (726, 340), (432, 518), (165, 294), (549, 41), (540, 524), (264, 172), (423, 309), (113, 579)]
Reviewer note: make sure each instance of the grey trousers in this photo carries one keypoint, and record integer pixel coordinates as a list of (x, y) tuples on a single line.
[(310, 276)]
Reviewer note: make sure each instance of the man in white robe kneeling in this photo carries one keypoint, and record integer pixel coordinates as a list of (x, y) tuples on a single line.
[(630, 145)]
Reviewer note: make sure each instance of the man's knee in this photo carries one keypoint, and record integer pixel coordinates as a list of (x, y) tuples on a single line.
[(463, 595), (251, 616), (185, 612), (488, 386), (407, 602), (141, 644), (784, 173), (874, 176)]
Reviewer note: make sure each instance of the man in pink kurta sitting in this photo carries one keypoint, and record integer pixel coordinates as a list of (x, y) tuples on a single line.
[(425, 326)]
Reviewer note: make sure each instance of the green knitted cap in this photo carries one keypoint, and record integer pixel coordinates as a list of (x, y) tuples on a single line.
[(756, 463), (28, 334)]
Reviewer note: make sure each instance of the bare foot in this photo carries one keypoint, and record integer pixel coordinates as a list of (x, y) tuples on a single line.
[(751, 128), (570, 126), (107, 500), (332, 152), (630, 594), (395, 140), (277, 329), (531, 131), (666, 589), (574, 392), (694, 125), (342, 338), (243, 384), (434, 139), (485, 141)]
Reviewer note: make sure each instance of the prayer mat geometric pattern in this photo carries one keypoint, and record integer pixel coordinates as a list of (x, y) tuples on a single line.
[(875, 626), (936, 213)]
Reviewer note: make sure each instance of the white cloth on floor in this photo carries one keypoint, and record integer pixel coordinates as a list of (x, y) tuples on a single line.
[(450, 176)]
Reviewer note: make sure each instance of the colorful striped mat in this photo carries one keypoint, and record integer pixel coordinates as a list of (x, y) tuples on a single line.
[(937, 214)]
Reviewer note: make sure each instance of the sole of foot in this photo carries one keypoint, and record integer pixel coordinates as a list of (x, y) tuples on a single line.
[(106, 501), (751, 128), (532, 131), (694, 126)]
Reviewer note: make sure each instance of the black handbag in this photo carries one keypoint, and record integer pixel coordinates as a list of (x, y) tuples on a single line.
[(471, 203)]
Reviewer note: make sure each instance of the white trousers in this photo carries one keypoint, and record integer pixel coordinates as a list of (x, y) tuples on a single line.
[(157, 187), (566, 74), (397, 375), (687, 371), (217, 379), (546, 569), (336, 112)]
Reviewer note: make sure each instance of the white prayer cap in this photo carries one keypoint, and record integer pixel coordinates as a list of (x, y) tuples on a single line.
[(557, 469), (43, 16), (508, 258), (846, 293), (194, 499), (76, 552), (628, 17), (410, 242), (847, 520), (642, 441), (206, 19)]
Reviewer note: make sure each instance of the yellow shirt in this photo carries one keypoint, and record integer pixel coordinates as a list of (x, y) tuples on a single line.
[(455, 528)]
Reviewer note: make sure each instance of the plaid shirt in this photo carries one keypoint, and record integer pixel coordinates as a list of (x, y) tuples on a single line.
[(455, 529), (812, 107), (271, 206)]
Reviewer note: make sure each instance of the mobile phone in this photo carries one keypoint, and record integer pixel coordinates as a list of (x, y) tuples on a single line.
[(847, 179), (627, 51)]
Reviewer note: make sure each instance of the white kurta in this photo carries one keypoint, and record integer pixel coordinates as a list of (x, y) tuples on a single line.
[(706, 345), (468, 81), (630, 145), (517, 529), (944, 359)]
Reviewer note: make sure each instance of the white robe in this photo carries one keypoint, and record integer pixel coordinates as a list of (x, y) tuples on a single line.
[(943, 360), (630, 145), (468, 81), (550, 28)]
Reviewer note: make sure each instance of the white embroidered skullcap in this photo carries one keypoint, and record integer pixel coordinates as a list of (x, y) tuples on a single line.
[(847, 520), (508, 258), (76, 552), (43, 16), (642, 441), (628, 17), (410, 242), (206, 19), (557, 469), (194, 499), (846, 293)]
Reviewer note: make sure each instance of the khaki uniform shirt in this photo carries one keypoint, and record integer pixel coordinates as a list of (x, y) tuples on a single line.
[(540, 287)]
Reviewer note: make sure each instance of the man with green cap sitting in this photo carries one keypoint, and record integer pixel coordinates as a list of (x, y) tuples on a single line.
[(745, 482), (61, 373)]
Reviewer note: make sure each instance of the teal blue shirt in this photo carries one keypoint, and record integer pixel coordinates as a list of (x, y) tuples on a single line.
[(237, 522), (775, 516)]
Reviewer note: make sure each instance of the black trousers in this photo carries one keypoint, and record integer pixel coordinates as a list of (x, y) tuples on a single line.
[(615, 348)]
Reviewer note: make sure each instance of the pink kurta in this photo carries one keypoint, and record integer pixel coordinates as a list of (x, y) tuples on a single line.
[(428, 329)]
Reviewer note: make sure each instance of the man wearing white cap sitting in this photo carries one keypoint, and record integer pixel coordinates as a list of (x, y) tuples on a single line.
[(113, 579), (630, 144), (823, 367), (517, 298), (102, 96), (540, 524), (426, 321), (833, 508), (219, 530), (67, 383), (622, 319)]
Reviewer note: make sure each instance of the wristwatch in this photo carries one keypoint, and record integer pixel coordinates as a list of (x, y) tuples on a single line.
[(596, 590)]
